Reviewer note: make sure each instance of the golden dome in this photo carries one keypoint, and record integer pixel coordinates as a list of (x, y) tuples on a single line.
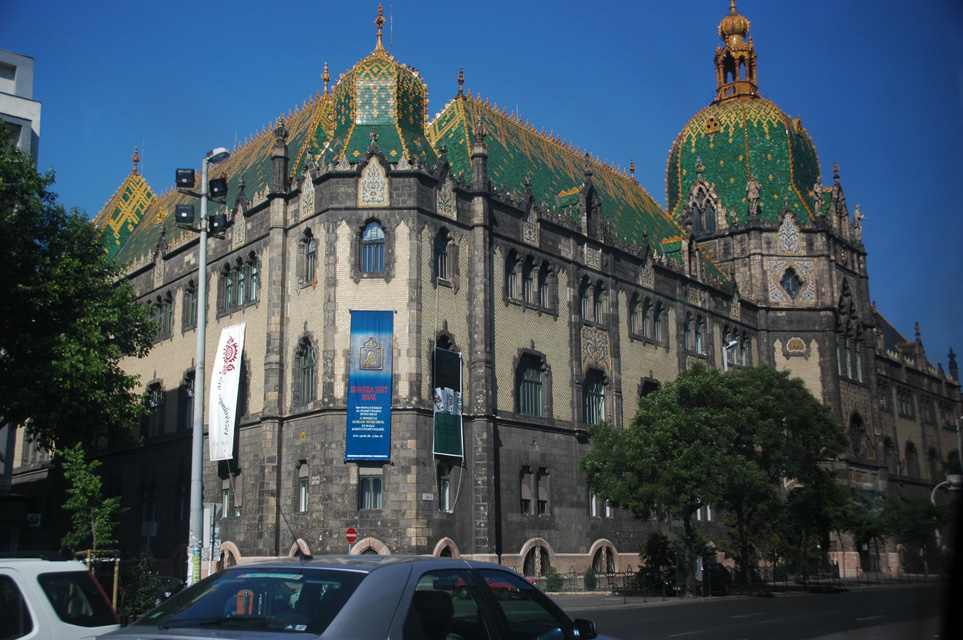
[(734, 27)]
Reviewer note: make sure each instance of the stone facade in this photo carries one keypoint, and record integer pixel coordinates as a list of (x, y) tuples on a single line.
[(555, 267)]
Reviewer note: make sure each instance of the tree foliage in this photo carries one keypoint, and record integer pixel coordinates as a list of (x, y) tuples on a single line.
[(93, 516), (66, 317), (726, 439)]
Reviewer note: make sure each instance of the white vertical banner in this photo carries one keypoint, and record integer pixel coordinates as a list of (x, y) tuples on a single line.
[(222, 408)]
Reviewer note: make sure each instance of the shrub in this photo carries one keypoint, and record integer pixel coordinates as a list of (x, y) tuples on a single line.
[(590, 582), (553, 580)]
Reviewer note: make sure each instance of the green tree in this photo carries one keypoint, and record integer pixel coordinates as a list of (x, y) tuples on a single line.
[(142, 591), (94, 517), (915, 523), (775, 429), (671, 455), (657, 558), (66, 316)]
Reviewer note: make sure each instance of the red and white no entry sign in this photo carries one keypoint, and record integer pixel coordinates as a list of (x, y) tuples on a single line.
[(351, 535)]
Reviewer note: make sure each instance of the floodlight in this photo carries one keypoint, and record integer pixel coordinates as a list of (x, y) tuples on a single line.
[(217, 188), (184, 179), (218, 223), (184, 213)]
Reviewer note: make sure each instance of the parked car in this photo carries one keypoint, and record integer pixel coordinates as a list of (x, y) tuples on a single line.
[(502, 590), (167, 586), (716, 579), (412, 598), (52, 599)]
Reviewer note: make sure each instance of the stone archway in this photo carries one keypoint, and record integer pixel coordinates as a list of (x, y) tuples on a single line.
[(370, 546), (446, 548)]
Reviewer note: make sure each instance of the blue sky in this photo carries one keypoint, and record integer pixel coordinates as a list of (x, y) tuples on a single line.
[(878, 85)]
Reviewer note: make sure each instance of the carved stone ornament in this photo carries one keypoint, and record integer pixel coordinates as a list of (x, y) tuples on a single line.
[(593, 257), (595, 347), (776, 269), (796, 346), (789, 236), (307, 199), (239, 230), (445, 198), (373, 186), (646, 276), (530, 233)]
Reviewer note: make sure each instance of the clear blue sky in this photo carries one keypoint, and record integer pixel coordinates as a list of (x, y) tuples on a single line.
[(878, 85)]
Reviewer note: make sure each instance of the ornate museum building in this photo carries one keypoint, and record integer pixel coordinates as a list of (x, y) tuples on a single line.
[(535, 287)]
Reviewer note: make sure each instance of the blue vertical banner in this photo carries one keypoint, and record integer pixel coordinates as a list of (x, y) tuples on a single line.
[(369, 386)]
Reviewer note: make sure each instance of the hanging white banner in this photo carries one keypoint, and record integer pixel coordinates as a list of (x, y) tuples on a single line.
[(222, 412)]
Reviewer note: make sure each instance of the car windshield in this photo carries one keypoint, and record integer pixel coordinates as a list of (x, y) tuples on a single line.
[(77, 599), (297, 599)]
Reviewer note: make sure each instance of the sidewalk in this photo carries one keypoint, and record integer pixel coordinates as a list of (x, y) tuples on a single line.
[(588, 600)]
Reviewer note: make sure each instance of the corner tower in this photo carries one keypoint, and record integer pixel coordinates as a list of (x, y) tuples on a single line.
[(757, 161)]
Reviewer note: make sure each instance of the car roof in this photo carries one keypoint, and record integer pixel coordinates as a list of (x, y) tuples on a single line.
[(42, 566), (365, 563)]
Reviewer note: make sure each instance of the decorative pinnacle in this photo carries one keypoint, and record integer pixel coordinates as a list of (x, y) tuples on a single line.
[(380, 22), (632, 168), (136, 159), (325, 78), (461, 81)]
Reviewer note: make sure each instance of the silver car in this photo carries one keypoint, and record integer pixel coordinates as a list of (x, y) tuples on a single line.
[(360, 597)]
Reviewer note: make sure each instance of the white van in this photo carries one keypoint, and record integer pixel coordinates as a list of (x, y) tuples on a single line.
[(52, 600)]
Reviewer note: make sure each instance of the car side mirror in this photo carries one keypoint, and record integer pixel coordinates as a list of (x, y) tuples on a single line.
[(585, 629)]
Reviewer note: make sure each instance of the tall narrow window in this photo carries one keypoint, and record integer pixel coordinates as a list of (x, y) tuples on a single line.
[(370, 488), (511, 276), (912, 460), (304, 481), (658, 324), (190, 305), (847, 353), (185, 403), (541, 492), (525, 491), (598, 303), (242, 278), (306, 362), (442, 271), (528, 281), (593, 392), (373, 248), (154, 420), (228, 280), (689, 334), (255, 278), (544, 291), (700, 346), (857, 344), (444, 486), (585, 309), (311, 262), (635, 316), (529, 386), (647, 327)]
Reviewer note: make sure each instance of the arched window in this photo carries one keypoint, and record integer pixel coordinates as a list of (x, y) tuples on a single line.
[(511, 276), (891, 456), (528, 281), (690, 341), (647, 326), (593, 392), (242, 272), (529, 391), (700, 337), (585, 310), (153, 421), (660, 322), (305, 360), (442, 268), (185, 403), (304, 481), (445, 502), (544, 287), (912, 460), (373, 248), (635, 315), (311, 261), (254, 279), (190, 305), (858, 439), (598, 303), (227, 278)]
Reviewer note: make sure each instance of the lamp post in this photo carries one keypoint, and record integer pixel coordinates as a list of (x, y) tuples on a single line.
[(725, 354), (955, 481), (197, 446)]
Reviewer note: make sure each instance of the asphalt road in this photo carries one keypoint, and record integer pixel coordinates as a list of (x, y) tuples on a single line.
[(865, 613)]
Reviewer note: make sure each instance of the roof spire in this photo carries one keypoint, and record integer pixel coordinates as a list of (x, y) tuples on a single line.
[(736, 59), (380, 22), (325, 78), (461, 81), (136, 159)]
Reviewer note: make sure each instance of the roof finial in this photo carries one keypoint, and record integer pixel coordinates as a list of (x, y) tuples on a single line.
[(732, 6), (136, 159), (325, 78), (380, 22), (461, 81)]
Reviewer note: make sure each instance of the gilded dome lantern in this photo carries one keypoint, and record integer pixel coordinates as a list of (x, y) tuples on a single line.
[(736, 59)]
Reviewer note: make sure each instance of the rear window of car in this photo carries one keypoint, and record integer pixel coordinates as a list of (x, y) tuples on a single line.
[(263, 599), (77, 599), (15, 620)]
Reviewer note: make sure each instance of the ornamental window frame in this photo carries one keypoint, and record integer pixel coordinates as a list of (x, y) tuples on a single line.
[(305, 376), (189, 306), (594, 396), (239, 284), (372, 243), (532, 396)]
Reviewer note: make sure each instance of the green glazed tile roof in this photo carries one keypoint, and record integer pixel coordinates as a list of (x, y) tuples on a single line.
[(736, 139), (516, 152), (122, 213), (250, 160), (382, 95)]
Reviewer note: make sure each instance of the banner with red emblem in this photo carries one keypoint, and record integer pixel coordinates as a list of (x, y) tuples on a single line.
[(226, 375)]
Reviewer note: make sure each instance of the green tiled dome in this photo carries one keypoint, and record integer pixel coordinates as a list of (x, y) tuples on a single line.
[(382, 95), (736, 139)]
